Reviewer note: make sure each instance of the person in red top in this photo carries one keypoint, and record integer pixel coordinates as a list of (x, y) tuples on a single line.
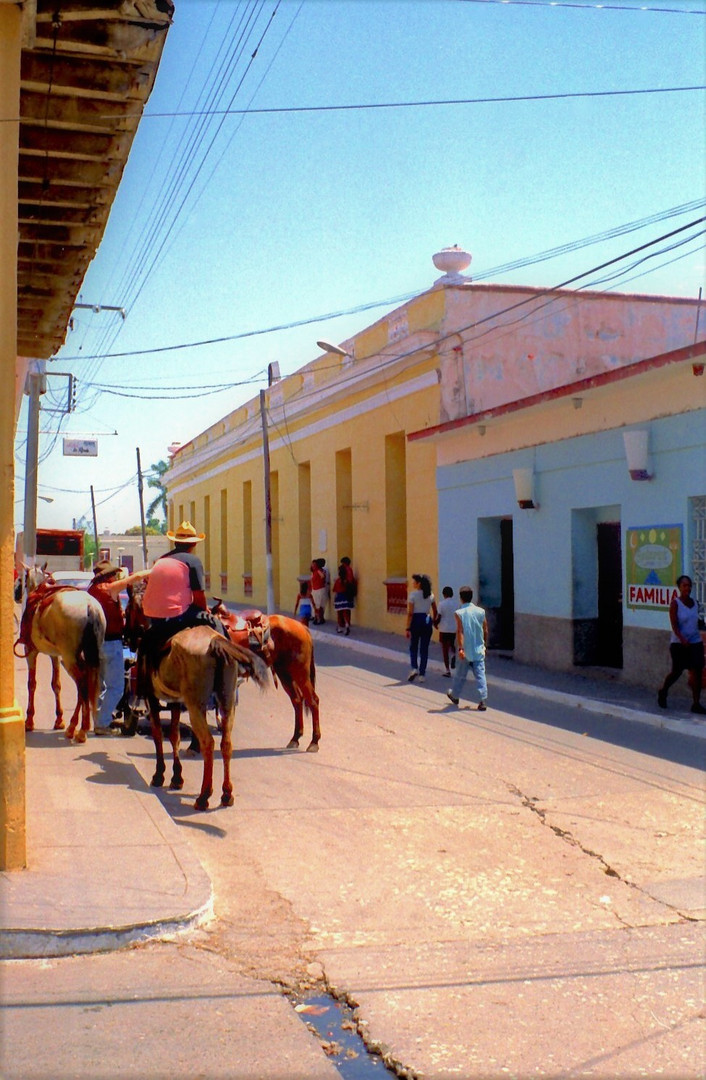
[(174, 598), (318, 591), (108, 582)]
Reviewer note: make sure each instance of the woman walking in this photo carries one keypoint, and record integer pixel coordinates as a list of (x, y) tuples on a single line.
[(421, 615), (685, 645)]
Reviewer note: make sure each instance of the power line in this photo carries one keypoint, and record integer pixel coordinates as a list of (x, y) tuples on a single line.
[(310, 320), (427, 103), (588, 6)]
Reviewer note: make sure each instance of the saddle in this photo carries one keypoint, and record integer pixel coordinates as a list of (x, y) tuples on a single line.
[(251, 629), (37, 601)]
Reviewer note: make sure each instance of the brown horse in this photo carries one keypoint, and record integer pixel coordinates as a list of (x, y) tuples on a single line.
[(199, 663), (68, 625), (290, 655)]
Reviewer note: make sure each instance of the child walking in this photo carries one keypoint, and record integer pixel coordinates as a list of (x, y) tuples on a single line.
[(304, 605), (446, 625)]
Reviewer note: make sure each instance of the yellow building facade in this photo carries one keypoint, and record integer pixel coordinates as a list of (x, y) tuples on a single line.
[(343, 478)]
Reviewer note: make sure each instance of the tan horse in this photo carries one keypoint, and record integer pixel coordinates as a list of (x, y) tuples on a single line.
[(68, 625), (290, 655), (200, 664)]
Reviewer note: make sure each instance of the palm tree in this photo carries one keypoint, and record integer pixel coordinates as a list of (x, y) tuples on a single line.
[(159, 504)]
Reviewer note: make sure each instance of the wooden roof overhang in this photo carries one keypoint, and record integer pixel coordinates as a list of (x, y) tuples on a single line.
[(87, 71)]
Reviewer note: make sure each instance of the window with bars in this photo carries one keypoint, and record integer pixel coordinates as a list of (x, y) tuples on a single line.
[(698, 550)]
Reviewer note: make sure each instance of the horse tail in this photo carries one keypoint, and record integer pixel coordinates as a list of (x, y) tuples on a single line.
[(90, 639), (227, 652)]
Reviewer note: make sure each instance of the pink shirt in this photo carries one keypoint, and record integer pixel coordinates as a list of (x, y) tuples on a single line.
[(168, 592)]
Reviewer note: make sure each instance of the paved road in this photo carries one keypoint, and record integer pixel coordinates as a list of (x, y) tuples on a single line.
[(499, 891), (518, 892)]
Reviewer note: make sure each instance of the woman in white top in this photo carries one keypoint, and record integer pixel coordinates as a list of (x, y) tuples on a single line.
[(421, 615), (686, 647)]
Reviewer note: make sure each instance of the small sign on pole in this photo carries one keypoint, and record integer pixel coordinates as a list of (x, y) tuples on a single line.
[(80, 447)]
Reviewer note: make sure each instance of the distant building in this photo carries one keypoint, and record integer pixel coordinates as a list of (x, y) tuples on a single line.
[(124, 550), (481, 434)]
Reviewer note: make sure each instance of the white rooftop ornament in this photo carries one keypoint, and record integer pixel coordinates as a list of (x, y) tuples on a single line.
[(452, 260)]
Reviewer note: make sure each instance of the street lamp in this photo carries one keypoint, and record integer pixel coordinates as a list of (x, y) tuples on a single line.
[(335, 349)]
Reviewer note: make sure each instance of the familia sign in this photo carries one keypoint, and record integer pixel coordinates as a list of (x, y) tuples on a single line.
[(653, 556)]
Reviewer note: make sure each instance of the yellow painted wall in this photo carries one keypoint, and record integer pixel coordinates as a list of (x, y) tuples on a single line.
[(368, 399)]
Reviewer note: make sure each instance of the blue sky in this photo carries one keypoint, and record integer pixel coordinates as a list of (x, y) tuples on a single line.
[(228, 224)]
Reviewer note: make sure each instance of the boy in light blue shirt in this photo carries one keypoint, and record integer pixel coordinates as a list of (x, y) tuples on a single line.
[(471, 643)]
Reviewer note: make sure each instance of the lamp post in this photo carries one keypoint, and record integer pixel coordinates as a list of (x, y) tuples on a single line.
[(35, 386)]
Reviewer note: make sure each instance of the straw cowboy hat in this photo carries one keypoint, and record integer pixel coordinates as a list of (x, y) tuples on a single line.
[(185, 534)]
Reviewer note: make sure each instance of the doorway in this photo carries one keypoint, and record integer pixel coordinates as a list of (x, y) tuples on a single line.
[(496, 580), (597, 587), (610, 595)]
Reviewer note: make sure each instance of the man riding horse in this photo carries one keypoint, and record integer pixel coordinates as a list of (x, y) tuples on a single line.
[(174, 599)]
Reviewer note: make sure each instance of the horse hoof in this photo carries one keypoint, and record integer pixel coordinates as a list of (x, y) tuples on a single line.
[(312, 748), (68, 734), (201, 803), (157, 781), (80, 736), (176, 785), (59, 725), (29, 725), (293, 744), (227, 798)]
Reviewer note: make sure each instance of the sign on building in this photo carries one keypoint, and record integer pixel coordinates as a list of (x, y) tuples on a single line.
[(653, 562), (80, 447)]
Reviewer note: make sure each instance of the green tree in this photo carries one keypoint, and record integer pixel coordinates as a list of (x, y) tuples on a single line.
[(158, 506)]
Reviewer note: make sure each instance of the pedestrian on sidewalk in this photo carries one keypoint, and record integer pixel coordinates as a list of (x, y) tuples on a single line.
[(108, 582), (318, 590), (686, 647), (471, 644), (421, 616), (446, 625), (341, 601), (304, 605)]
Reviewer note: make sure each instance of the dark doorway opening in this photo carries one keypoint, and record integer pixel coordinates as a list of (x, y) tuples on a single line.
[(609, 644)]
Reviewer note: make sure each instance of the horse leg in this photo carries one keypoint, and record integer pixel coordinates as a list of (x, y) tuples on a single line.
[(226, 752), (177, 782), (199, 724), (312, 703), (156, 727), (69, 733), (298, 720), (31, 687), (82, 707), (59, 724)]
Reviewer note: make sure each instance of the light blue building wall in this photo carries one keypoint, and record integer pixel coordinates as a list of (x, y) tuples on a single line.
[(549, 556)]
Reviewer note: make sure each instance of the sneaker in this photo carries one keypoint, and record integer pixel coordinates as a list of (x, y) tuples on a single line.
[(482, 706), (447, 674), (699, 709), (451, 697), (412, 675), (104, 731), (662, 699), (421, 679)]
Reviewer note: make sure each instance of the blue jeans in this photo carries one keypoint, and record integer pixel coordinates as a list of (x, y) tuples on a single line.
[(463, 666), (113, 680), (420, 633)]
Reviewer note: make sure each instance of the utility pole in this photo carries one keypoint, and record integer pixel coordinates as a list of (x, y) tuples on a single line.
[(95, 522), (35, 386), (268, 504), (142, 511)]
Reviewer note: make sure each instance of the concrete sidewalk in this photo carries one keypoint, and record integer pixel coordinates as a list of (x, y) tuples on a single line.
[(108, 866)]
